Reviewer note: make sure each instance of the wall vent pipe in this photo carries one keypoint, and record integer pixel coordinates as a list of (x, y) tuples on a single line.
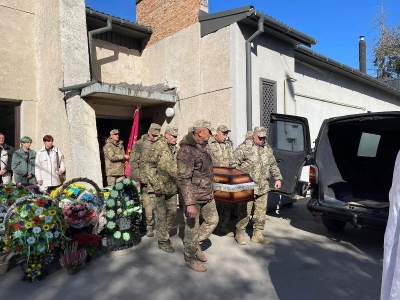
[(362, 54), (249, 108)]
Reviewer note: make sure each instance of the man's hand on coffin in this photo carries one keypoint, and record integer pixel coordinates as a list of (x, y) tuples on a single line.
[(278, 184), (191, 211)]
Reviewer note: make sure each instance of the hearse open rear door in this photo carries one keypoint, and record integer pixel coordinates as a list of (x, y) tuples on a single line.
[(289, 138)]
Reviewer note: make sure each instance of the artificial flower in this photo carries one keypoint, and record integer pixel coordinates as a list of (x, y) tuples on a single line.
[(18, 248), (39, 211), (23, 214), (17, 234), (36, 230), (119, 210), (52, 212), (110, 203), (114, 194), (126, 236), (117, 234), (41, 248), (41, 202), (110, 214), (48, 219), (46, 227), (36, 220), (31, 240), (28, 225), (111, 225), (106, 194), (49, 235), (28, 207), (119, 186)]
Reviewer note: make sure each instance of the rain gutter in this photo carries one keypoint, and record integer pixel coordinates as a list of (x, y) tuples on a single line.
[(92, 80)]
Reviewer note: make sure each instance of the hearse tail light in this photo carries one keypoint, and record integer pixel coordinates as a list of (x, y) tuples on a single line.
[(313, 175)]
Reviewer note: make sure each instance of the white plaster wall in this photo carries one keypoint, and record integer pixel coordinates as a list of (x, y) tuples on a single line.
[(199, 68), (272, 59), (318, 83)]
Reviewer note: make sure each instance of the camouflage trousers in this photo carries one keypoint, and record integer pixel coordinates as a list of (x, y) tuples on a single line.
[(260, 209), (194, 232), (224, 211), (165, 215), (112, 180), (148, 207)]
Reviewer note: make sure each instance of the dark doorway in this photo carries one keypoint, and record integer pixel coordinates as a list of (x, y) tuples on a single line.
[(105, 125), (9, 123)]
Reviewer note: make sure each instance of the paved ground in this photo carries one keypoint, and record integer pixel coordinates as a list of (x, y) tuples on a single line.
[(304, 261)]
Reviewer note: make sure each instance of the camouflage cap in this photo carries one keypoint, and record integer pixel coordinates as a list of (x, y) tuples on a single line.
[(223, 128), (155, 129), (202, 124), (114, 131), (260, 131), (172, 130)]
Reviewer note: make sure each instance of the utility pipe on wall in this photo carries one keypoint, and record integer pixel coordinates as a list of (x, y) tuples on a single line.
[(90, 37), (249, 107)]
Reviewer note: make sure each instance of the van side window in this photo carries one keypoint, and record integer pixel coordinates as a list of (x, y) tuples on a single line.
[(287, 136), (368, 144)]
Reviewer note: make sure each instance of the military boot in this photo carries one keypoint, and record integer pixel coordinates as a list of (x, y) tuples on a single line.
[(195, 265), (150, 231), (239, 237), (166, 246), (200, 255), (226, 231), (259, 238)]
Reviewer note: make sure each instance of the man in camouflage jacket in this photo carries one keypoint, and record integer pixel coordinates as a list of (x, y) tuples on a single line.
[(162, 181), (255, 157), (222, 156), (147, 156), (115, 157), (195, 183)]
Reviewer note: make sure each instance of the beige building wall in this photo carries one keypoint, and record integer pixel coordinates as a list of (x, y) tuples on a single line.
[(198, 68), (116, 64), (18, 61)]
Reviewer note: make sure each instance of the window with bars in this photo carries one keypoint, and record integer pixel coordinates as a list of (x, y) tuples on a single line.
[(267, 100)]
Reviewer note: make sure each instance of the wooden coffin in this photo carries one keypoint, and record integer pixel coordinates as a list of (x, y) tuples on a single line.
[(232, 186)]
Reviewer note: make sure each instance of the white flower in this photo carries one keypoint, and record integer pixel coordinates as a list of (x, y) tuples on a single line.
[(31, 240), (48, 219), (49, 234), (126, 199), (39, 211), (119, 203), (17, 234), (36, 229), (23, 214), (119, 210), (56, 234)]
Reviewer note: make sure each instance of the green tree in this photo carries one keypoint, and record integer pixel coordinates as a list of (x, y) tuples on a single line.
[(387, 49)]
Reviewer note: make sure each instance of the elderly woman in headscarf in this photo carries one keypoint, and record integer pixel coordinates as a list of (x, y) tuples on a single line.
[(23, 163)]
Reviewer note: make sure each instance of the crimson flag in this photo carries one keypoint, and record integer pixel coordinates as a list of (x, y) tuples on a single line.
[(132, 140)]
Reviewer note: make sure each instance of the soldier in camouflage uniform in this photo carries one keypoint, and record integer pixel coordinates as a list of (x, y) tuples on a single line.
[(222, 156), (195, 183), (139, 167), (162, 179), (115, 157), (256, 158)]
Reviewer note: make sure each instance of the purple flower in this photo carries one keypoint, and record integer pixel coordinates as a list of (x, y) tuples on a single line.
[(78, 206), (81, 214), (68, 212)]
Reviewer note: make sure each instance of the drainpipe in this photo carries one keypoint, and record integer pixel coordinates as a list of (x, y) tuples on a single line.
[(90, 37), (248, 73)]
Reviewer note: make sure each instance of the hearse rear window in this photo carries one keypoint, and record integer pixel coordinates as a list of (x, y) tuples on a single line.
[(368, 144), (288, 136)]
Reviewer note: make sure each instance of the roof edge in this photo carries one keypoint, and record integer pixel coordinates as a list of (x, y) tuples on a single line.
[(120, 22)]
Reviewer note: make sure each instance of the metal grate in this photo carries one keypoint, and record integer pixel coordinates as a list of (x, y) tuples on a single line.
[(268, 101)]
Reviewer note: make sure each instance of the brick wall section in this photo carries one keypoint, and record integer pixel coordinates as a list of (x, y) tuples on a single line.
[(167, 17)]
